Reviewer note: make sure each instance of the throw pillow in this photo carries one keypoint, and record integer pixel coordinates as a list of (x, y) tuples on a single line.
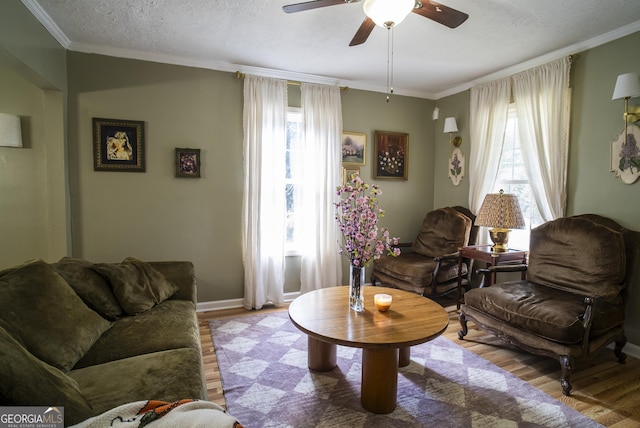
[(28, 381), (40, 310), (136, 284), (92, 287)]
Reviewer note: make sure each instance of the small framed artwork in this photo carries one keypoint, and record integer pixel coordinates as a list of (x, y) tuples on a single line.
[(188, 163), (118, 145), (354, 147), (456, 166), (625, 157), (391, 152), (348, 172)]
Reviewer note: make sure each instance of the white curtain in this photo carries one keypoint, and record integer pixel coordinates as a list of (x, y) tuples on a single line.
[(263, 202), (322, 114), (542, 98), (489, 110)]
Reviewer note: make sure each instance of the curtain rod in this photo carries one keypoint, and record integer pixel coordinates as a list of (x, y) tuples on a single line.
[(240, 75)]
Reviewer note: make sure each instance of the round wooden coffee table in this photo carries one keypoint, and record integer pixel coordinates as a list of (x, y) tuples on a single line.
[(385, 337)]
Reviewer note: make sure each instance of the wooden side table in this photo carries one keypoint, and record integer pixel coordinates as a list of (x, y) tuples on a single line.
[(483, 253)]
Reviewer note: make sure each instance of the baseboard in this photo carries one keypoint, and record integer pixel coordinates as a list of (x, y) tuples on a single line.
[(219, 305)]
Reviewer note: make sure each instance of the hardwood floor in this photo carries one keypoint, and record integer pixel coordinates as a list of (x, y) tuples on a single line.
[(603, 389)]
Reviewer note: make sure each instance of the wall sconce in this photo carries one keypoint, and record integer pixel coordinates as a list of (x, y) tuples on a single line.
[(10, 132), (451, 126), (627, 86)]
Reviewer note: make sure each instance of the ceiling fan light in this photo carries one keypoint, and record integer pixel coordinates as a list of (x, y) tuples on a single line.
[(387, 13)]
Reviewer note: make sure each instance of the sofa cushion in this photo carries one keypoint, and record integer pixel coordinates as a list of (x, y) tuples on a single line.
[(436, 239), (40, 310), (167, 375), (547, 312), (137, 285), (92, 287), (169, 325), (578, 254), (28, 381)]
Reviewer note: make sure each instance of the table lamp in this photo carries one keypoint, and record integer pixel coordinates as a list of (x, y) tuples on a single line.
[(500, 211)]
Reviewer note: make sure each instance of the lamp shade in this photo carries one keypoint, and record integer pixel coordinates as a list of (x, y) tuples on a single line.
[(450, 125), (387, 13), (10, 133), (627, 85), (501, 210)]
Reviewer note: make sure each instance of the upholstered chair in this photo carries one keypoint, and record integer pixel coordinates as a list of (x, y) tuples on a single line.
[(572, 302), (429, 265)]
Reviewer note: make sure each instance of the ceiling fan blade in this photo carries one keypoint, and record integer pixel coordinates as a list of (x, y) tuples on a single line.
[(363, 32), (299, 7), (441, 14)]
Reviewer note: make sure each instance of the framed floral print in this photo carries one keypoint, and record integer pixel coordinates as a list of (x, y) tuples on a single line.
[(118, 145), (188, 163), (456, 166), (391, 154), (625, 154)]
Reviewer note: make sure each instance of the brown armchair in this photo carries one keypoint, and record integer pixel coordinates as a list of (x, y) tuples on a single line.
[(572, 302), (429, 265)]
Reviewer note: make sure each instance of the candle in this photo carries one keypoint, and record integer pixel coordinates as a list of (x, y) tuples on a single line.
[(383, 301)]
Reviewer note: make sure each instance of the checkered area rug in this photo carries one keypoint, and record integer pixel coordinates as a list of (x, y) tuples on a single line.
[(266, 382)]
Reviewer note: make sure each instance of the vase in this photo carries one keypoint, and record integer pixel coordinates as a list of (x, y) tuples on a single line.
[(356, 288)]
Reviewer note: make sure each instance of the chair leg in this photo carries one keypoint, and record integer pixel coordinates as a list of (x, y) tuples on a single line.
[(566, 364), (617, 350), (463, 323)]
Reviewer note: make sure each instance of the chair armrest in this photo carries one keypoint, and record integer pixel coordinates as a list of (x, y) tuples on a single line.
[(587, 321), (447, 256)]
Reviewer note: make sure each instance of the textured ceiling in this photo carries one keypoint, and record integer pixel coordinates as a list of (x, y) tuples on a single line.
[(256, 36)]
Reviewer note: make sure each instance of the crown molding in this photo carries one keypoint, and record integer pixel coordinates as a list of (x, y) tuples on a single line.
[(47, 22), (544, 59)]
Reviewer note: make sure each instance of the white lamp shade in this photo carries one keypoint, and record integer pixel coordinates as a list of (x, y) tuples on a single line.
[(10, 132), (388, 13), (627, 85), (450, 125)]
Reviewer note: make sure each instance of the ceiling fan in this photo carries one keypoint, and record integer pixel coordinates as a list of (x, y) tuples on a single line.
[(437, 12)]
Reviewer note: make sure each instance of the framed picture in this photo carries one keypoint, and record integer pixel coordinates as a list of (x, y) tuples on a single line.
[(456, 166), (188, 163), (625, 162), (354, 147), (391, 154), (118, 145), (347, 173)]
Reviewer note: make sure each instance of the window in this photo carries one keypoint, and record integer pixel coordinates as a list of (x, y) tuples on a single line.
[(512, 178), (293, 180)]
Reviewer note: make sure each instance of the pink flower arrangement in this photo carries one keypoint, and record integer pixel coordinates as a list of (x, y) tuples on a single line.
[(357, 215)]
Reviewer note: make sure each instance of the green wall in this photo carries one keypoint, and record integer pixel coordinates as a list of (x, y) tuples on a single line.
[(155, 216), (33, 197), (445, 192)]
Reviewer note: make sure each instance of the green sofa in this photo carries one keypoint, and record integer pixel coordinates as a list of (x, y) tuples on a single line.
[(93, 336)]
